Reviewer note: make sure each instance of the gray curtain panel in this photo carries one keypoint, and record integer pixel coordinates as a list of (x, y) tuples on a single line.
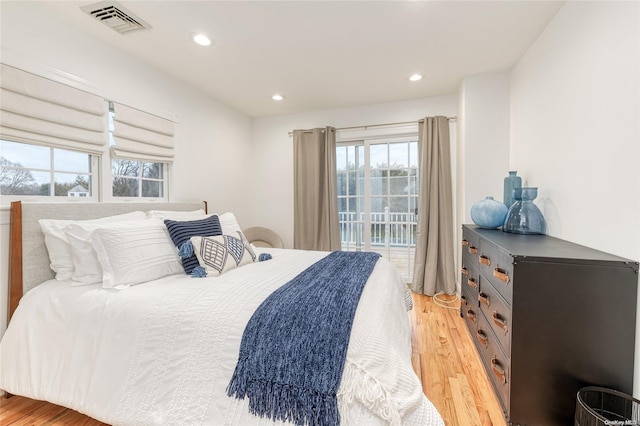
[(315, 207), (434, 265)]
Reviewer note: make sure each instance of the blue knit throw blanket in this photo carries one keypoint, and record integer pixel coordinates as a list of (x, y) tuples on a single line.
[(294, 347)]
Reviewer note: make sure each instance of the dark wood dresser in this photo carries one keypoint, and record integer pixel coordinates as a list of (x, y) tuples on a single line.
[(548, 317)]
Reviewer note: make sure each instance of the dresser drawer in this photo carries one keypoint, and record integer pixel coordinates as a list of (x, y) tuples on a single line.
[(497, 312), (470, 279), (470, 242), (494, 359), (497, 267), (469, 310), (467, 300)]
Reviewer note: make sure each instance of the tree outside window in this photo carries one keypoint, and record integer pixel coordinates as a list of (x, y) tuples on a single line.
[(133, 178), (32, 170)]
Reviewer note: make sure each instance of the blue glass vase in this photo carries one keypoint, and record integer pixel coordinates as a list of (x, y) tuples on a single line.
[(524, 217), (488, 213), (511, 182)]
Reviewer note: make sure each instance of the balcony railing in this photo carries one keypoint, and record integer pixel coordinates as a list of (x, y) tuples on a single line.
[(387, 229)]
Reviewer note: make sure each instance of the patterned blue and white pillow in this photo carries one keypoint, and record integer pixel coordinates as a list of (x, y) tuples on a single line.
[(181, 231), (222, 253)]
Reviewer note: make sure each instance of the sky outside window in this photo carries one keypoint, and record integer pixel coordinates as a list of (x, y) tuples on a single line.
[(39, 158)]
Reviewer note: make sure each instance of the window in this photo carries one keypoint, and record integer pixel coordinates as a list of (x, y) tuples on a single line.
[(54, 143), (351, 179), (33, 170), (133, 177), (377, 198), (137, 178), (52, 137)]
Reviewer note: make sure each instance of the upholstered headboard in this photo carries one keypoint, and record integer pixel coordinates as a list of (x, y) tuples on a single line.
[(28, 256)]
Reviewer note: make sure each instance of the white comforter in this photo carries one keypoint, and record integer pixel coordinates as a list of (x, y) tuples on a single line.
[(163, 352)]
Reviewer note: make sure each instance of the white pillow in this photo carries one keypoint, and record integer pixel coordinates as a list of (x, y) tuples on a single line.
[(58, 245), (135, 253), (175, 215), (222, 253), (86, 266), (229, 224)]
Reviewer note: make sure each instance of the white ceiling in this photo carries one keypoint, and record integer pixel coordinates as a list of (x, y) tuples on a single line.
[(324, 54)]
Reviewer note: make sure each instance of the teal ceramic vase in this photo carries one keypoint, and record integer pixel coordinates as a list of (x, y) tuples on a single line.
[(488, 213)]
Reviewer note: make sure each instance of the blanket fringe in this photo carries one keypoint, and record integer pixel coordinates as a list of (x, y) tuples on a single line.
[(238, 385), (358, 385), (278, 401)]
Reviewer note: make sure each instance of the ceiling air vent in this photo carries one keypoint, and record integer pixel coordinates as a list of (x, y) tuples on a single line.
[(115, 16)]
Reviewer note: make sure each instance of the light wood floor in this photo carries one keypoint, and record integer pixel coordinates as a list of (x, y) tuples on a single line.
[(449, 367), (443, 357)]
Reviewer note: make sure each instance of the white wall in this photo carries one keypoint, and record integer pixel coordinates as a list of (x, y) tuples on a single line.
[(484, 143), (575, 127), (211, 138), (212, 141), (482, 151), (272, 203)]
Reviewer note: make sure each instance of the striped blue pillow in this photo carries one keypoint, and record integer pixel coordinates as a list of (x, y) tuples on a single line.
[(182, 231)]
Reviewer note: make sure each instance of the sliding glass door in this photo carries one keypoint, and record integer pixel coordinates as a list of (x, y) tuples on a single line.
[(377, 198)]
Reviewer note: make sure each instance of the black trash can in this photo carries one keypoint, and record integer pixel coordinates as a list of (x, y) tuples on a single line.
[(596, 406)]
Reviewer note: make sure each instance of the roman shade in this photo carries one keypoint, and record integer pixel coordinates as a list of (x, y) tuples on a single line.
[(37, 110), (141, 136)]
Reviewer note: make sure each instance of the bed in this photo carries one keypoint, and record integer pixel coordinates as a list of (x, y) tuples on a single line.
[(162, 351)]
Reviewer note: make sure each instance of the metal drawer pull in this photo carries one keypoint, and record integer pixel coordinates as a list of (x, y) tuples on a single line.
[(499, 321), (472, 282), (463, 299), (498, 370), (464, 271), (465, 242), (485, 260), (473, 250), (471, 315), (501, 275), (483, 338), (483, 298)]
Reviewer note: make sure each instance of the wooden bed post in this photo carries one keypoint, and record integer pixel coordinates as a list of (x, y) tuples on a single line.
[(15, 258)]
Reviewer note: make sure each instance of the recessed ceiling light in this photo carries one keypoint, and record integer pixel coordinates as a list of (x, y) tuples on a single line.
[(277, 97), (415, 77), (201, 39)]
